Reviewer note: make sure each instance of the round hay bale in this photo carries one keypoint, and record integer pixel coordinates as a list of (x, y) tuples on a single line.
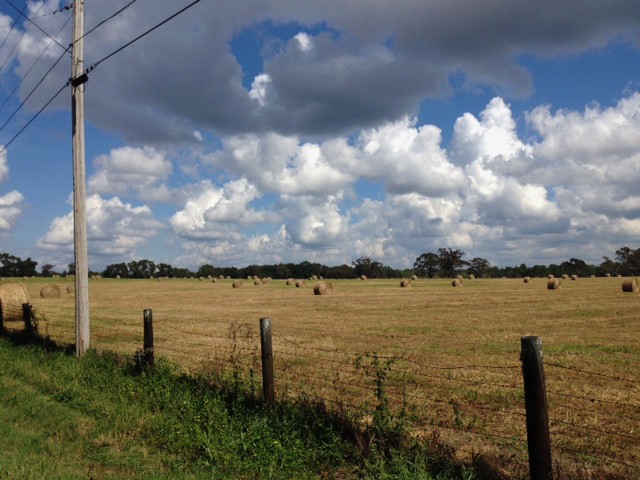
[(237, 284), (257, 282), (554, 284), (50, 291), (457, 282), (322, 288), (314, 277), (593, 276), (550, 276), (363, 277), (405, 284), (214, 280), (631, 286), (291, 281), (472, 276), (117, 277), (228, 277), (221, 277), (608, 275), (619, 276), (12, 297), (414, 278), (71, 288), (266, 280), (299, 283), (255, 277), (565, 276), (574, 277), (527, 279)]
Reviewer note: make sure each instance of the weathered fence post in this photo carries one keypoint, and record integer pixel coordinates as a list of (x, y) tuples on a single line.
[(535, 399), (147, 343), (268, 390), (26, 317)]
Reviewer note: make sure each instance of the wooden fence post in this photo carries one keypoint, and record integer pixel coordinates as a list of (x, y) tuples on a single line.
[(147, 345), (268, 390), (26, 317), (535, 398)]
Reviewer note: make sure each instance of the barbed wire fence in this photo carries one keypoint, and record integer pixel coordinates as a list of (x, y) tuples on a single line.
[(472, 409)]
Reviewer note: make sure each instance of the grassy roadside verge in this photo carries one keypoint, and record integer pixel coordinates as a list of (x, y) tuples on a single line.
[(100, 417)]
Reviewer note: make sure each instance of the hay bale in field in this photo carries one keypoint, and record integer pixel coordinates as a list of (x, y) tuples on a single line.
[(608, 275), (527, 279), (290, 281), (228, 277), (554, 284), (550, 276), (200, 279), (117, 277), (214, 280), (257, 282), (299, 283), (472, 276), (414, 278), (237, 284), (457, 282), (12, 297), (593, 276), (50, 291), (314, 277), (619, 276), (631, 285), (405, 283), (255, 277), (265, 281), (574, 277), (565, 276), (363, 277), (322, 288), (221, 277)]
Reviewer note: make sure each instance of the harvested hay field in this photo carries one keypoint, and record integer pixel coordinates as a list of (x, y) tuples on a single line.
[(452, 354)]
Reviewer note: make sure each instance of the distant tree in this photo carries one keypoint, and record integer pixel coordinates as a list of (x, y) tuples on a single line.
[(206, 270), (142, 269), (427, 265), (629, 260), (165, 270), (480, 267), (47, 270), (368, 267), (116, 270), (450, 261), (71, 269)]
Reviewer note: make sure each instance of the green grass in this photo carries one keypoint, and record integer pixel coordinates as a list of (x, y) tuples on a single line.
[(102, 417)]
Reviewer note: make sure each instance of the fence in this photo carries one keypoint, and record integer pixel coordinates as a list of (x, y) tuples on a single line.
[(474, 405)]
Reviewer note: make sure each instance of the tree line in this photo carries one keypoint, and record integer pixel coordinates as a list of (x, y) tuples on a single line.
[(445, 263)]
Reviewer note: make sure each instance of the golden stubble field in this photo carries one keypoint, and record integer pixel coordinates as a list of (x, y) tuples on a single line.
[(449, 355)]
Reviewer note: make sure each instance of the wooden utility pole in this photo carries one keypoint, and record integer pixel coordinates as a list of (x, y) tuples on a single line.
[(78, 78)]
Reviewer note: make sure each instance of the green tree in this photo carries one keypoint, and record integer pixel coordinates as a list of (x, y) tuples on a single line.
[(450, 261), (116, 270), (427, 265), (368, 267), (480, 267)]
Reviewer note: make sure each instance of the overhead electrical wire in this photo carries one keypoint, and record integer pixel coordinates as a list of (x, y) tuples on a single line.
[(107, 19), (91, 68), (35, 24), (13, 26), (20, 39), (34, 64), (118, 50)]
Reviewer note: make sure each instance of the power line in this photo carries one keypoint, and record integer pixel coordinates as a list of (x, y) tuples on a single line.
[(108, 18), (4, 147), (33, 65), (92, 67), (19, 40), (13, 25), (35, 24), (34, 89)]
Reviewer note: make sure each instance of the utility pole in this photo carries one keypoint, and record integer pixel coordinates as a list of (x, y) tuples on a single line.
[(78, 78)]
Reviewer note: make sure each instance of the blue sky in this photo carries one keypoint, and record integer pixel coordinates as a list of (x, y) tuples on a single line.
[(264, 132)]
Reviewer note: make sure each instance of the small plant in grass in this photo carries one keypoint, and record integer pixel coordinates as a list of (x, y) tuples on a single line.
[(387, 428)]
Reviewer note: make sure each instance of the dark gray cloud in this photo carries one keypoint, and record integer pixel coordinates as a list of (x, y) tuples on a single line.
[(376, 63)]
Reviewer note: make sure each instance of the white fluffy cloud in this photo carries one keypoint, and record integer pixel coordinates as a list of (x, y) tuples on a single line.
[(11, 204), (114, 229), (213, 213), (141, 170)]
